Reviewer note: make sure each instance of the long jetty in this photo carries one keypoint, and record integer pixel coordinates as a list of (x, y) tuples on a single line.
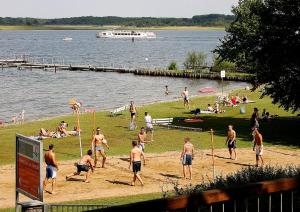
[(155, 72)]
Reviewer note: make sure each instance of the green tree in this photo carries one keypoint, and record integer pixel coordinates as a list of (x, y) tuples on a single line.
[(221, 64), (195, 61), (173, 66), (264, 39)]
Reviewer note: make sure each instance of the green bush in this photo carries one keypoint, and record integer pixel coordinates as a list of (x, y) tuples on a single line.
[(195, 61), (247, 175), (220, 64), (173, 66)]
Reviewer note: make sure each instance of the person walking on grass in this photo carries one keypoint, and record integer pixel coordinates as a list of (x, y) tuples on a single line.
[(51, 169), (187, 155), (135, 161), (98, 144), (85, 164), (258, 146), (231, 142), (149, 126), (186, 98), (133, 112)]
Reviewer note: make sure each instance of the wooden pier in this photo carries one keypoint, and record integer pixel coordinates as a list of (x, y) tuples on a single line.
[(23, 64)]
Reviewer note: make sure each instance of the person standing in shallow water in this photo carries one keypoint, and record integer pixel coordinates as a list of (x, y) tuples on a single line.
[(167, 90)]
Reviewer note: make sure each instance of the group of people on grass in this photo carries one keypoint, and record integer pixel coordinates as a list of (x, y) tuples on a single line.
[(60, 132)]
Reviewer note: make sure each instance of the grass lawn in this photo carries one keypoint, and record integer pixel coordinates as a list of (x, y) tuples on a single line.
[(96, 27), (280, 131), (108, 201)]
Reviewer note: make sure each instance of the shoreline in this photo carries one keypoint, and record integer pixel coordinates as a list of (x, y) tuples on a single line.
[(175, 99), (95, 27)]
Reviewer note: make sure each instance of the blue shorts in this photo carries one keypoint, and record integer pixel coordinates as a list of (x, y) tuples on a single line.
[(50, 172), (136, 166), (231, 144), (99, 148), (187, 160)]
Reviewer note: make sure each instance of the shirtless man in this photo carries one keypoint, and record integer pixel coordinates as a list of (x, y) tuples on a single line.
[(133, 111), (51, 168), (135, 160), (85, 164), (258, 146), (187, 155), (231, 141), (186, 99), (142, 139), (98, 144)]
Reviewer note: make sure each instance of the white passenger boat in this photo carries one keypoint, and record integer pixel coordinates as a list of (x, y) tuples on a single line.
[(126, 34), (67, 39)]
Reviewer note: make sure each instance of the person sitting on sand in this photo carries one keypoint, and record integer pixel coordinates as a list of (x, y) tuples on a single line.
[(210, 108), (85, 164)]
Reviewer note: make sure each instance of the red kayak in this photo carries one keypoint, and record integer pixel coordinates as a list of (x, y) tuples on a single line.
[(208, 90)]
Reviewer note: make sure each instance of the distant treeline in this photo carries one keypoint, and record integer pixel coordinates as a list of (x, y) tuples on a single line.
[(198, 20)]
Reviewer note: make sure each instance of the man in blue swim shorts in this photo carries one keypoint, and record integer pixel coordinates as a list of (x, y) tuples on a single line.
[(187, 156)]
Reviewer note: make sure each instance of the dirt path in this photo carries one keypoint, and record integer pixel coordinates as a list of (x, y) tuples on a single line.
[(114, 180)]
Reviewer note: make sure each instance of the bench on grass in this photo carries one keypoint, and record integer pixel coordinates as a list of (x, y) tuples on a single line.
[(167, 122), (118, 110), (163, 121)]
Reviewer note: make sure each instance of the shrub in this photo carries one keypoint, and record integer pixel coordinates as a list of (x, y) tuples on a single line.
[(244, 176), (221, 64), (195, 61), (173, 66)]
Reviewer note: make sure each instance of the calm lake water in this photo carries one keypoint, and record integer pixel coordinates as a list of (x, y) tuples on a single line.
[(45, 94)]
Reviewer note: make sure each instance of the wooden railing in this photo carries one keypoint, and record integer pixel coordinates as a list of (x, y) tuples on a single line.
[(221, 196)]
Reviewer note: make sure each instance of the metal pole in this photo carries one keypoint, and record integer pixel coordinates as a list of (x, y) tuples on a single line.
[(222, 86), (280, 202), (212, 153), (270, 203), (78, 128), (292, 201)]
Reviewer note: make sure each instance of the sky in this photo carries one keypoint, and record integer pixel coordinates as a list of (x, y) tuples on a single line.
[(123, 8)]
